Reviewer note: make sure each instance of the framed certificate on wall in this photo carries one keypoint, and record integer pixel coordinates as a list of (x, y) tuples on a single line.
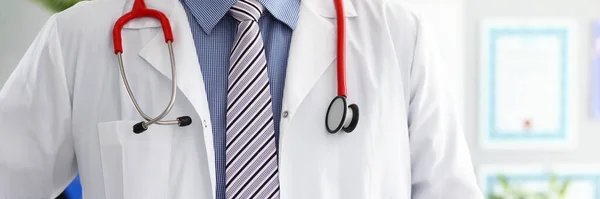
[(527, 83), (595, 110)]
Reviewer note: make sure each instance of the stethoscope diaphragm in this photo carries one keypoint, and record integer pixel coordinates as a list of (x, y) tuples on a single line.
[(341, 116)]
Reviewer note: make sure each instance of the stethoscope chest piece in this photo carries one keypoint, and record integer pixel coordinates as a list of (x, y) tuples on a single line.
[(341, 116)]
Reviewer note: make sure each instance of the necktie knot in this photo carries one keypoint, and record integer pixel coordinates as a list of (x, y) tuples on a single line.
[(244, 10)]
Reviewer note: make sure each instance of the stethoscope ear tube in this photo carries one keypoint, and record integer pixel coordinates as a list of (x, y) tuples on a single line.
[(143, 126), (140, 10)]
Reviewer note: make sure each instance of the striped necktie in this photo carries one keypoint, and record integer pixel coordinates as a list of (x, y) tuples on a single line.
[(251, 155)]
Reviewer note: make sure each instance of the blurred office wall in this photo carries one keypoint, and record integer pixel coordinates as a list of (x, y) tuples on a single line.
[(20, 21), (473, 11), (588, 131)]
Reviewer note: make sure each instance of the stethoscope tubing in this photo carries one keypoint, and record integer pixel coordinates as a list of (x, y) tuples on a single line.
[(140, 10), (150, 120), (341, 48)]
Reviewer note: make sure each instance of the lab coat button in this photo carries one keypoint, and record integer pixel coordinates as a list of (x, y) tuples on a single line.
[(285, 114)]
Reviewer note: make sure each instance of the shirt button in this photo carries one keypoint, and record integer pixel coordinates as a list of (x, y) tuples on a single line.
[(205, 125), (285, 114)]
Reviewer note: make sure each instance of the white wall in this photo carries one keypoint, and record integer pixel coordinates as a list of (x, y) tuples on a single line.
[(20, 21)]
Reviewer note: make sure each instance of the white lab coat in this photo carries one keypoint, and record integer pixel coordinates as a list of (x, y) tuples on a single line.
[(64, 111)]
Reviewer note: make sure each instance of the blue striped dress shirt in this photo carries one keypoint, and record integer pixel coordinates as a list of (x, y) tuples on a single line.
[(214, 31)]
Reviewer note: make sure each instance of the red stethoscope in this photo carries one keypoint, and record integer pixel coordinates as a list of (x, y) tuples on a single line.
[(340, 115)]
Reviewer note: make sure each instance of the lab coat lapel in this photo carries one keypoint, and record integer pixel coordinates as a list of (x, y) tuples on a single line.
[(312, 51), (189, 77)]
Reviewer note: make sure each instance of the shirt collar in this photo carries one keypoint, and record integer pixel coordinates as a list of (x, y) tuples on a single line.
[(209, 12)]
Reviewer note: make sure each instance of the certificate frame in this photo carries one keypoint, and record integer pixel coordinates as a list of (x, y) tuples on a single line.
[(492, 30), (528, 173), (595, 105)]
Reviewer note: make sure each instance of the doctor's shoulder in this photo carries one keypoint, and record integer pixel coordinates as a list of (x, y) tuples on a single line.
[(393, 13), (402, 20), (90, 16), (88, 21), (396, 22), (84, 31)]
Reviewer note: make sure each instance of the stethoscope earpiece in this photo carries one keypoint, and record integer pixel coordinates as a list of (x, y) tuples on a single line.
[(184, 121), (139, 128), (341, 116)]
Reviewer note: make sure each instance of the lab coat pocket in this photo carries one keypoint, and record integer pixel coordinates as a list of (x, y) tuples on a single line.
[(135, 165)]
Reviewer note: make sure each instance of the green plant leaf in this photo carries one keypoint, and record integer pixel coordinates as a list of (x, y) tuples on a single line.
[(57, 5), (542, 196), (504, 182), (494, 196), (553, 180), (562, 193), (557, 189)]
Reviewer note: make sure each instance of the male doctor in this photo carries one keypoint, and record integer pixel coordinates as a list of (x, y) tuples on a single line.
[(256, 77)]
